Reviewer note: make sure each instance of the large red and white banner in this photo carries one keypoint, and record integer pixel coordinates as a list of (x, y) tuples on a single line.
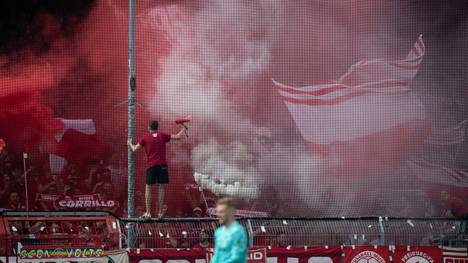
[(365, 121), (255, 255), (366, 254), (439, 174), (417, 254), (455, 255)]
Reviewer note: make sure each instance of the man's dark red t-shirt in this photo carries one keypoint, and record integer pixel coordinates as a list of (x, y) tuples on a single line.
[(155, 148)]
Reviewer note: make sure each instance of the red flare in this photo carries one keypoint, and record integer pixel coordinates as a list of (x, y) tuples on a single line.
[(182, 121)]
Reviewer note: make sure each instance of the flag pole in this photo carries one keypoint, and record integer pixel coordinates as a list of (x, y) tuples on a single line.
[(25, 156), (131, 117)]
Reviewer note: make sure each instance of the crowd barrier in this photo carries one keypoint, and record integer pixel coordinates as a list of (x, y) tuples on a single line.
[(27, 236), (305, 231)]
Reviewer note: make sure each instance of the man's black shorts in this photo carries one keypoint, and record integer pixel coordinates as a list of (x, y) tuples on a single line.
[(157, 174)]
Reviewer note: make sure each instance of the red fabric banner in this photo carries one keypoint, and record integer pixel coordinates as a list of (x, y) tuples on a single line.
[(256, 255), (167, 255), (417, 254), (305, 255), (366, 254)]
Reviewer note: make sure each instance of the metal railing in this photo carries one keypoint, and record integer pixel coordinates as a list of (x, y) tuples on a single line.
[(283, 232), (263, 232)]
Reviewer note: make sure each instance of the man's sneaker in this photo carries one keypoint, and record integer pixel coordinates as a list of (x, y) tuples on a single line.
[(145, 216), (161, 214)]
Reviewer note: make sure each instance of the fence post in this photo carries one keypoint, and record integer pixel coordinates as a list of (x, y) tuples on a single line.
[(250, 231), (382, 231)]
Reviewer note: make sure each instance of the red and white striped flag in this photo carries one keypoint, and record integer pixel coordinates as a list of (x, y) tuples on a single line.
[(448, 136), (439, 174), (367, 120), (455, 255), (75, 143)]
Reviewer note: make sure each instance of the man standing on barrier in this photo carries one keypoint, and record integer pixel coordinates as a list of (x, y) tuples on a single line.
[(230, 238), (154, 144)]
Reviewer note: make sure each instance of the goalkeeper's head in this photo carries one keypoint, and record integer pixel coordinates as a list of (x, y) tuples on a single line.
[(225, 210)]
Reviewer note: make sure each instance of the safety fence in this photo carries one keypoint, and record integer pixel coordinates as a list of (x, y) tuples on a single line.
[(99, 230), (284, 232)]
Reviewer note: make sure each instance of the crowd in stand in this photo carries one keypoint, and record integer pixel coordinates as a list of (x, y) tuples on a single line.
[(99, 179), (45, 188)]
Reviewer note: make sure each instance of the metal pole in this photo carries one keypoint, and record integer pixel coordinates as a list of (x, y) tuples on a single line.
[(131, 115), (25, 156), (382, 231)]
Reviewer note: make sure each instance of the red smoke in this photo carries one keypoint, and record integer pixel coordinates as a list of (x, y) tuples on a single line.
[(25, 120), (82, 75)]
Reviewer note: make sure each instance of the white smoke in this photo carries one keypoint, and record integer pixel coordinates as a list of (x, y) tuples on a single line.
[(226, 170), (185, 87), (235, 38), (237, 158), (231, 42)]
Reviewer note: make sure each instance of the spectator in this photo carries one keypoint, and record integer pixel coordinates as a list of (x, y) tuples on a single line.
[(45, 181), (197, 212), (6, 186), (18, 177), (17, 228), (103, 182), (7, 166), (454, 206), (73, 183), (48, 204), (54, 229), (95, 169), (115, 167), (204, 239), (14, 202), (282, 241)]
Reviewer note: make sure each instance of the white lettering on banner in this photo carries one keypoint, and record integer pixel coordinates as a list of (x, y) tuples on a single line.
[(368, 257), (272, 260), (255, 255), (417, 257), (320, 260), (86, 203), (178, 261), (150, 261)]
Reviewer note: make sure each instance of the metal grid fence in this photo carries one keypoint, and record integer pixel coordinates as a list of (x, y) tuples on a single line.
[(283, 232), (105, 230)]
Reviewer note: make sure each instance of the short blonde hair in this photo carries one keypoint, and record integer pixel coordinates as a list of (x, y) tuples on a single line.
[(226, 201)]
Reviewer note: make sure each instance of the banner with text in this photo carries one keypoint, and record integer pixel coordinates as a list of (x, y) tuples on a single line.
[(366, 254), (417, 254)]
